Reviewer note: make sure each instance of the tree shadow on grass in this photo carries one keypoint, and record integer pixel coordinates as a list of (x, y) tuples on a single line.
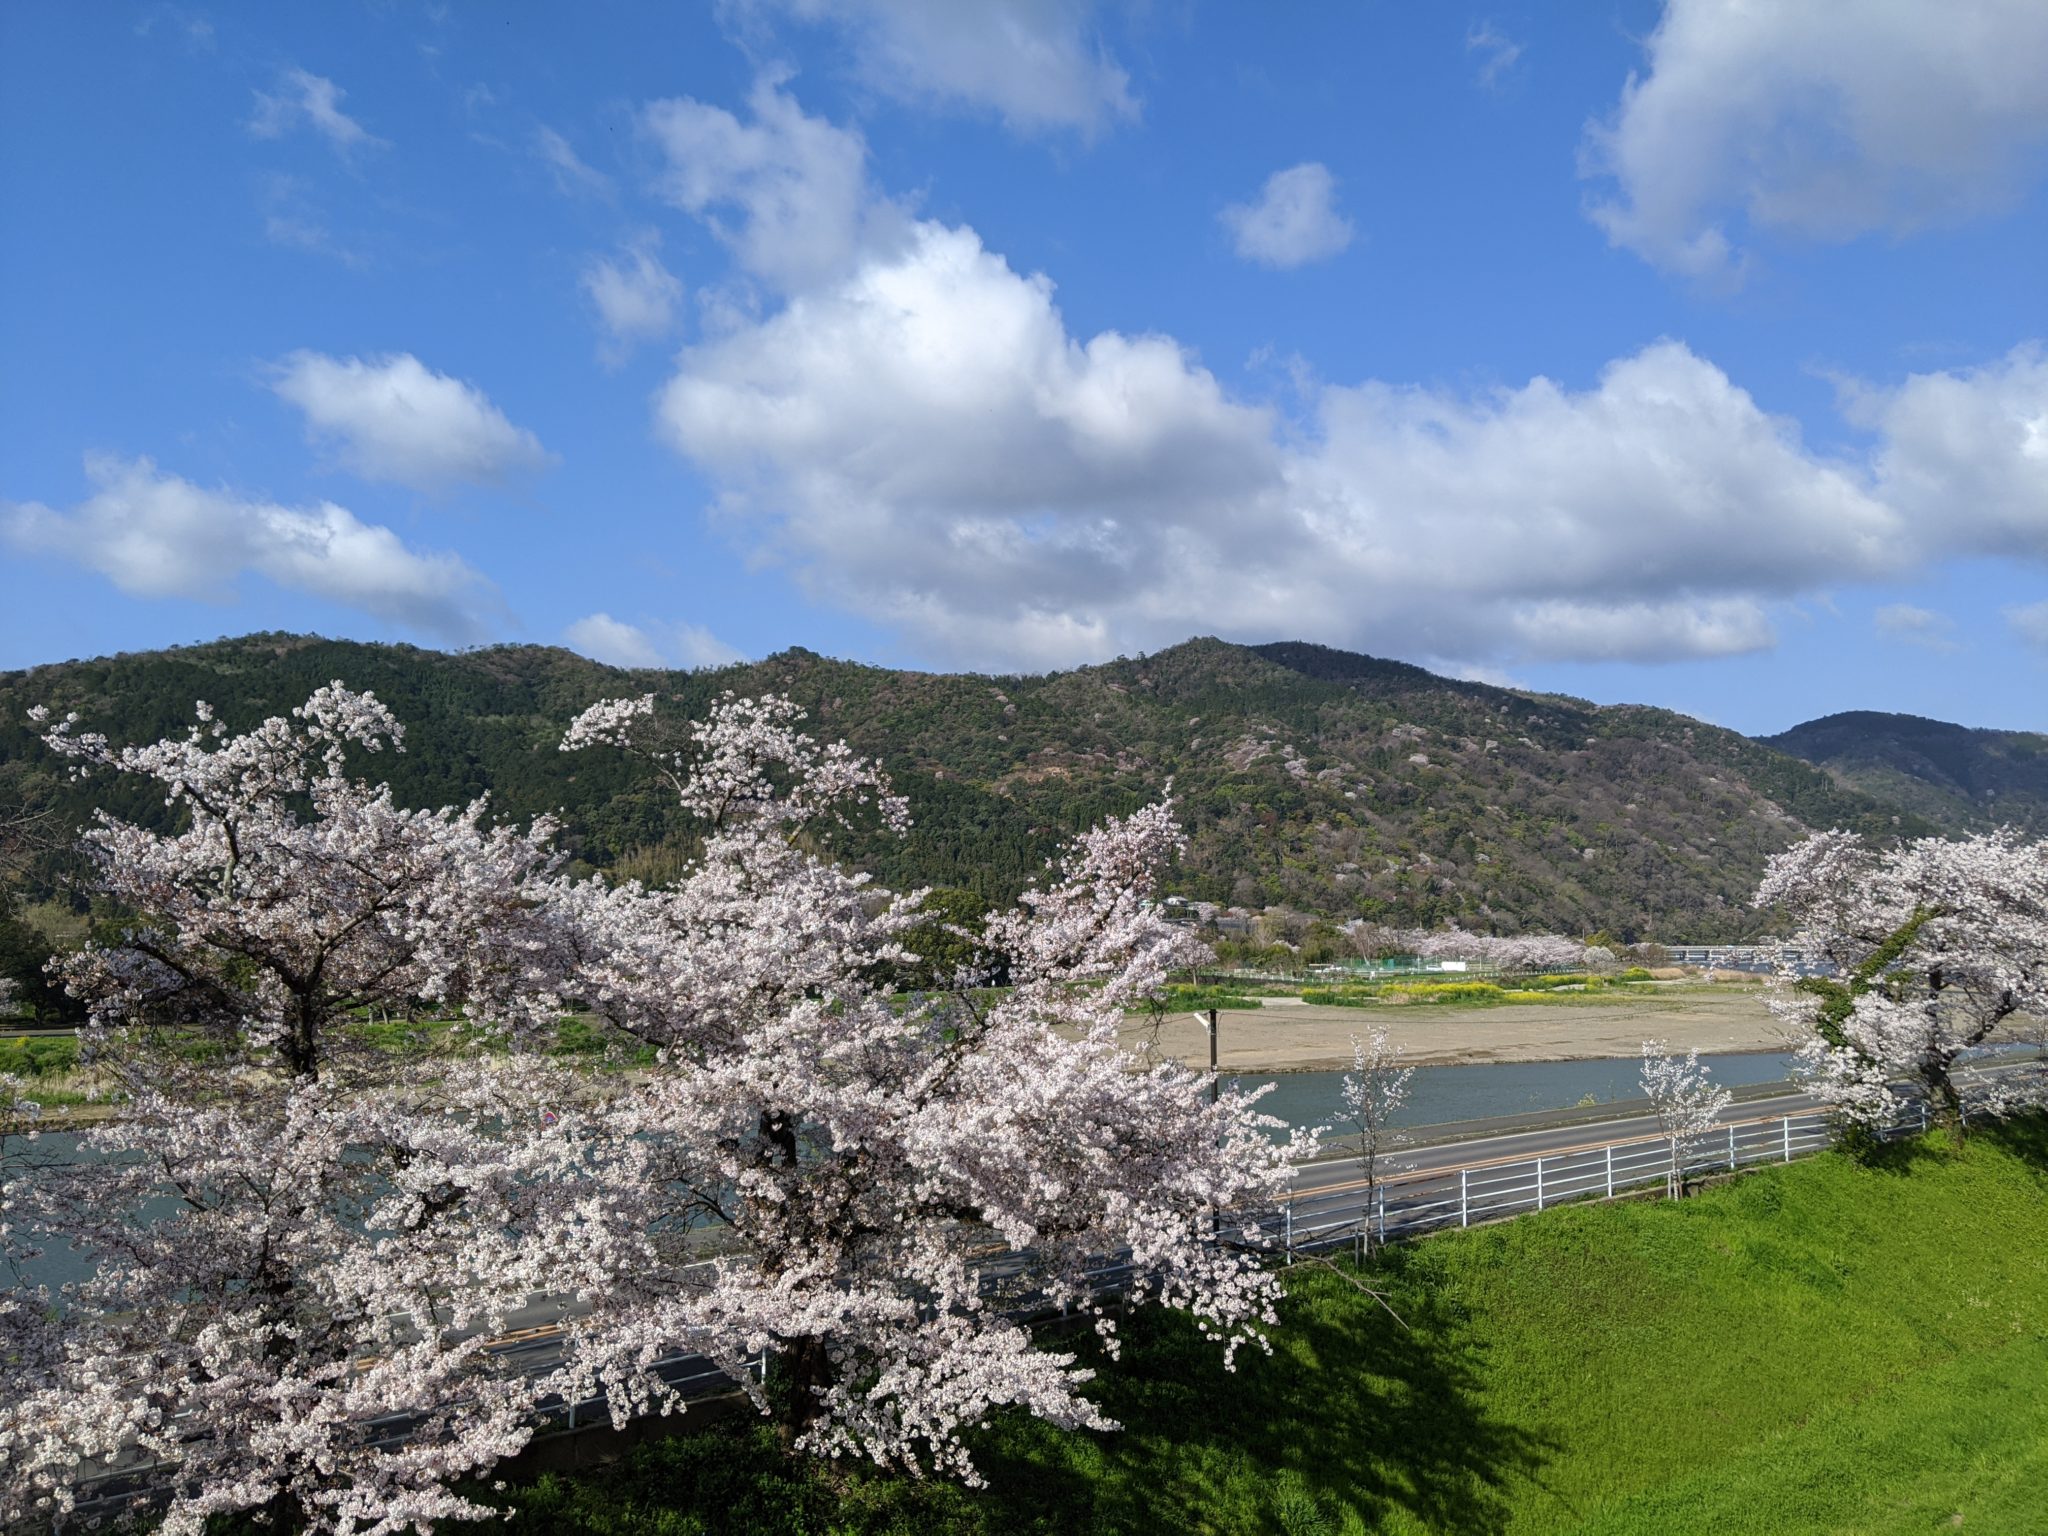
[(2023, 1136), (1352, 1418), (1904, 1155)]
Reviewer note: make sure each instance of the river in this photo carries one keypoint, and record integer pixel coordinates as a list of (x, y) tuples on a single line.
[(1437, 1095)]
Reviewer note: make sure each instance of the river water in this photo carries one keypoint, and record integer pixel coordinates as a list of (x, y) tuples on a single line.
[(1483, 1091)]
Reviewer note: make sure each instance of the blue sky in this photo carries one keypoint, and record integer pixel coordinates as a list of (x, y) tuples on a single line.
[(1688, 354)]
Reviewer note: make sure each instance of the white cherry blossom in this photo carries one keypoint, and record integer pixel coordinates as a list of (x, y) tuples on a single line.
[(879, 1190), (302, 1239), (1682, 1093), (1935, 947)]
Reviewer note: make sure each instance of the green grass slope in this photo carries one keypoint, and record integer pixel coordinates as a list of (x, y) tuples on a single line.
[(1818, 1348)]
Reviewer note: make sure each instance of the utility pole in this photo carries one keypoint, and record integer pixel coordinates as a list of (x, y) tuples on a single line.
[(1212, 1055)]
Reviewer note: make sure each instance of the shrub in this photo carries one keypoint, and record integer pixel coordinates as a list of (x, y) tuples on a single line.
[(1177, 998), (1447, 992), (27, 1056)]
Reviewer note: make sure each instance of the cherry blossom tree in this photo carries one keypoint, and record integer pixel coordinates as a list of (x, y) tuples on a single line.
[(1373, 1092), (1934, 947), (302, 1240), (28, 1335), (1510, 953), (263, 929), (882, 1191), (1687, 1103)]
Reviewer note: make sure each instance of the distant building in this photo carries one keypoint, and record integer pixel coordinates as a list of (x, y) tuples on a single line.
[(1766, 956)]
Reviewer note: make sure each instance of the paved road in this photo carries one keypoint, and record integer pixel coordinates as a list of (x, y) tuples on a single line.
[(1513, 1145)]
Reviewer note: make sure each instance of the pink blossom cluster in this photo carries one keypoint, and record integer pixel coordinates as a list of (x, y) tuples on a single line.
[(298, 1236), (880, 1188), (1510, 953), (1373, 1093), (1682, 1093), (1936, 946), (308, 1244)]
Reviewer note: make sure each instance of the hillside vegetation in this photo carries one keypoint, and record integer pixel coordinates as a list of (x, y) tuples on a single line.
[(1824, 1347), (1952, 774), (1327, 781)]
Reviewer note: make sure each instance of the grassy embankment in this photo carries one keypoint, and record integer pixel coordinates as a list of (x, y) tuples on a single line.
[(1818, 1348)]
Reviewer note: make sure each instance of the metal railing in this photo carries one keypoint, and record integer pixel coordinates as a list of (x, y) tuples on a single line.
[(1409, 1203)]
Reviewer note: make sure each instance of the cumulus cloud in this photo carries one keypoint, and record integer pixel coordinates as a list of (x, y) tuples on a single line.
[(619, 644), (1969, 446), (572, 174), (2030, 623), (303, 99), (1923, 627), (1294, 220), (923, 441), (635, 295), (1498, 53), (613, 642), (692, 645), (1036, 64), (393, 418), (156, 535), (1823, 121), (788, 193)]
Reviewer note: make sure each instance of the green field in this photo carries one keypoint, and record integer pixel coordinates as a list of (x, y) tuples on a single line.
[(1823, 1347)]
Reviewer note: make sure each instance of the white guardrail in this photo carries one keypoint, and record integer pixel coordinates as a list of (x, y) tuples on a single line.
[(1408, 1203), (1399, 1203)]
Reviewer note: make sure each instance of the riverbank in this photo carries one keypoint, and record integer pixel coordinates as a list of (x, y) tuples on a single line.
[(1306, 1037)]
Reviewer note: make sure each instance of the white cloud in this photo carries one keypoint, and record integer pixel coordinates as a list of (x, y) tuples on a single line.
[(157, 535), (392, 418), (1036, 64), (1823, 120), (788, 193), (1497, 52), (292, 219), (313, 101), (1293, 222), (1923, 627), (303, 234), (1968, 448), (693, 645), (194, 28), (923, 442), (618, 644), (2030, 623), (572, 175), (636, 296), (604, 638)]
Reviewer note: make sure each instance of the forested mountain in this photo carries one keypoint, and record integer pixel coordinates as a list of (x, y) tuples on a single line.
[(1311, 777), (1952, 774)]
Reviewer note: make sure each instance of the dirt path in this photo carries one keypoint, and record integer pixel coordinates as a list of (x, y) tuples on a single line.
[(1306, 1038)]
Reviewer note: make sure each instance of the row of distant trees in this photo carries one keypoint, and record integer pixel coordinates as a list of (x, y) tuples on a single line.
[(1293, 939)]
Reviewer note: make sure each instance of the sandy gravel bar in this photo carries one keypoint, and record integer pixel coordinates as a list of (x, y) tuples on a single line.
[(1306, 1038)]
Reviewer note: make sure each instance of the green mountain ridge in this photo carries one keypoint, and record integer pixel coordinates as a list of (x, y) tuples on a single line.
[(1309, 777), (1956, 775)]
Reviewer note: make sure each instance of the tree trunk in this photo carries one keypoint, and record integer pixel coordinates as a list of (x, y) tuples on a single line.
[(806, 1370), (1944, 1100)]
